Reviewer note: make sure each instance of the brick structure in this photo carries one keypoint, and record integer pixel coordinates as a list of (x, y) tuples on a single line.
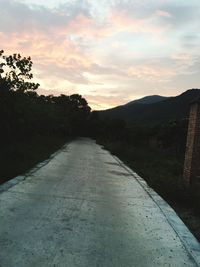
[(192, 155)]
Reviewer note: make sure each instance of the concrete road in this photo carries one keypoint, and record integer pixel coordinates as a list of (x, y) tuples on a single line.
[(84, 208)]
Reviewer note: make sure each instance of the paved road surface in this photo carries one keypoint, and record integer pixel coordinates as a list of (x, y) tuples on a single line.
[(85, 209)]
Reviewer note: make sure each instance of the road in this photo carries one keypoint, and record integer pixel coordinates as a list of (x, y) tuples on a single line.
[(84, 208)]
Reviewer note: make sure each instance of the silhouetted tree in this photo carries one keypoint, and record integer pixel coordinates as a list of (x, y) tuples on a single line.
[(24, 114), (15, 73)]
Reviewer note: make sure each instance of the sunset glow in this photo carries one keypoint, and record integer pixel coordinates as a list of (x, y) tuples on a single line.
[(111, 52)]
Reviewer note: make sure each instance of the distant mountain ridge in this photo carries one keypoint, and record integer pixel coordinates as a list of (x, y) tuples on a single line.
[(173, 108), (148, 100)]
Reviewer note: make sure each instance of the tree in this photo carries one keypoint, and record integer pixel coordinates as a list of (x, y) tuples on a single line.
[(75, 112), (15, 73)]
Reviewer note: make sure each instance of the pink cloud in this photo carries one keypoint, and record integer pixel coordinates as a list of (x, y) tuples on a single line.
[(151, 71), (46, 50), (118, 21), (122, 21), (72, 50), (84, 26)]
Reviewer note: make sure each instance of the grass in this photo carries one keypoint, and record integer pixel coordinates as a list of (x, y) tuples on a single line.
[(163, 171), (17, 157)]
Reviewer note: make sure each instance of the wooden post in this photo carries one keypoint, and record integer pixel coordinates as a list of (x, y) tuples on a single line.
[(192, 156)]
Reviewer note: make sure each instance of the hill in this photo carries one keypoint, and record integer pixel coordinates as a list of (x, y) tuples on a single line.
[(148, 100), (173, 108)]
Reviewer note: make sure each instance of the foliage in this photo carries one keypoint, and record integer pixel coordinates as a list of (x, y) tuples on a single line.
[(155, 152), (26, 116), (15, 73), (18, 157)]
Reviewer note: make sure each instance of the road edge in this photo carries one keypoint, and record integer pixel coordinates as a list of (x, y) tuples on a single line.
[(189, 241), (16, 180)]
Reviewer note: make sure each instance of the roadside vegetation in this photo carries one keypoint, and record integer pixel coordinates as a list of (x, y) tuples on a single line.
[(156, 153), (33, 126)]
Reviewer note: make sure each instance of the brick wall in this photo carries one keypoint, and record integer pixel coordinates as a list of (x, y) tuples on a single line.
[(192, 156)]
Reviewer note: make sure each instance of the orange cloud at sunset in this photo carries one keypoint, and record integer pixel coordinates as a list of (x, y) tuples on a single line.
[(137, 47), (45, 49), (100, 102), (148, 72), (122, 21), (51, 56)]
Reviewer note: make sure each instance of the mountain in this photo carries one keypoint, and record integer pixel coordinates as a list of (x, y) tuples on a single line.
[(173, 108), (148, 100)]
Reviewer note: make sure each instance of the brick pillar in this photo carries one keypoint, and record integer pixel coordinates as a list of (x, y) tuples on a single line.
[(192, 156)]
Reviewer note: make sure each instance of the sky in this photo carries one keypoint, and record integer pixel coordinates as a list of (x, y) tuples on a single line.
[(109, 51)]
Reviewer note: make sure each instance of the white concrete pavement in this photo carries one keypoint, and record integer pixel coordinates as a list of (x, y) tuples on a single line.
[(85, 208)]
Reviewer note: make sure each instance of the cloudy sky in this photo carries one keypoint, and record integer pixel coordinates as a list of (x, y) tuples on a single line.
[(110, 51)]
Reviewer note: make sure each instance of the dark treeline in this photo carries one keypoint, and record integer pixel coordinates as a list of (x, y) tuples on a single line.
[(23, 113), (27, 114), (169, 136), (33, 126)]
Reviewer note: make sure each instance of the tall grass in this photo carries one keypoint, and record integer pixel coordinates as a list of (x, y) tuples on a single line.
[(19, 156), (161, 169)]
